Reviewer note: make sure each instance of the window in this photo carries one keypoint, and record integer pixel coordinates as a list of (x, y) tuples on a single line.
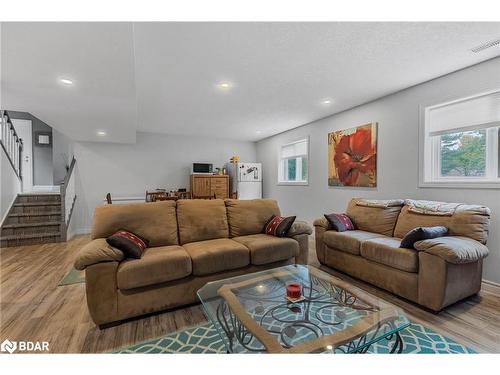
[(461, 143), (293, 163)]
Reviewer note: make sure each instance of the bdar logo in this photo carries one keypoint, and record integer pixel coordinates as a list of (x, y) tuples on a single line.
[(24, 346), (8, 346)]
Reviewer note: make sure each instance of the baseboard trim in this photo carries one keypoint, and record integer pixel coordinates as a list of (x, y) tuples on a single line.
[(45, 189), (488, 282), (81, 231), (72, 233)]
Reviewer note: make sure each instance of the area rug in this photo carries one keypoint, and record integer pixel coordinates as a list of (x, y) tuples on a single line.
[(417, 339), (73, 277)]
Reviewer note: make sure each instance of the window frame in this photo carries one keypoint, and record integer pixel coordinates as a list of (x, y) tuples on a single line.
[(282, 169), (430, 153)]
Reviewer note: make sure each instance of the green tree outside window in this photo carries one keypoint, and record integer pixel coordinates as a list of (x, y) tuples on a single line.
[(463, 154), (292, 166)]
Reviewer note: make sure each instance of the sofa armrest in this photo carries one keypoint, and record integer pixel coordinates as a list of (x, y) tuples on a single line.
[(454, 249), (97, 251), (303, 240), (322, 222), (321, 225), (299, 227)]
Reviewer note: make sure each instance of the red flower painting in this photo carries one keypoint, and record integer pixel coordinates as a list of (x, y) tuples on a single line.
[(353, 157)]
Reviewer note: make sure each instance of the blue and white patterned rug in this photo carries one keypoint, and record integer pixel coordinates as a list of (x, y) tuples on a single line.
[(417, 339)]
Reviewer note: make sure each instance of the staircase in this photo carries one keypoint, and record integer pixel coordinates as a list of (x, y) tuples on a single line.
[(33, 219)]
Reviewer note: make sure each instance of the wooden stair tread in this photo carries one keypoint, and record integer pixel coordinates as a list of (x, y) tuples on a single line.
[(34, 218), (29, 236), (27, 225), (35, 204), (43, 213)]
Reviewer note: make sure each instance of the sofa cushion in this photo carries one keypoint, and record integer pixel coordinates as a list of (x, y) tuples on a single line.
[(201, 219), (456, 250), (265, 249), (422, 233), (157, 265), (380, 218), (155, 221), (218, 255), (381, 203), (349, 241), (386, 251), (466, 220), (250, 216)]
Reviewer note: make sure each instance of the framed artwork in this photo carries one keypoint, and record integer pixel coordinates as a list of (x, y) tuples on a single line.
[(352, 156), (43, 139)]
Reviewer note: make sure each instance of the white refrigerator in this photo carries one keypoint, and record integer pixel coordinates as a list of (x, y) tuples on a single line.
[(246, 179)]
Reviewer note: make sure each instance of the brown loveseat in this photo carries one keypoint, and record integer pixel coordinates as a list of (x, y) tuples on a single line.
[(192, 242), (437, 273)]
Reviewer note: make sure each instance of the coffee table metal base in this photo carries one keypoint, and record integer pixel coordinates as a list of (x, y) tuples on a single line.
[(235, 330)]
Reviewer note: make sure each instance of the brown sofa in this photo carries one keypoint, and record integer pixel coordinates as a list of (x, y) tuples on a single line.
[(192, 242), (437, 273)]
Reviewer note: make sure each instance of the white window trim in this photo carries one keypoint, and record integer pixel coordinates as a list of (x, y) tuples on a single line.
[(299, 167), (427, 155)]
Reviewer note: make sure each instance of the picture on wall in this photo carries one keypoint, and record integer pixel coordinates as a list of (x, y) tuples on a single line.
[(352, 156)]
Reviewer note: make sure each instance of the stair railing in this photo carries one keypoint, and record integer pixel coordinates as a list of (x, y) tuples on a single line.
[(11, 143), (68, 198)]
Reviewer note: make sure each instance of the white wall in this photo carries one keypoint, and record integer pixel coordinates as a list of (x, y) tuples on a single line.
[(398, 119), (155, 161), (10, 185), (62, 153)]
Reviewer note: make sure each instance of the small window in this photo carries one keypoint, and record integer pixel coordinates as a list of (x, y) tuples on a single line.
[(293, 163), (462, 143)]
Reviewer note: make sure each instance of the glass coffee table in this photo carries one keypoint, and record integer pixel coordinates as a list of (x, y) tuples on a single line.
[(252, 314)]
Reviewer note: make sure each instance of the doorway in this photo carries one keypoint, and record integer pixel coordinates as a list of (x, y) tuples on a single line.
[(24, 131)]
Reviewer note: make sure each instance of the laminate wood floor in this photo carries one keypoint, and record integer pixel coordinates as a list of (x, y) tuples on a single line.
[(34, 308)]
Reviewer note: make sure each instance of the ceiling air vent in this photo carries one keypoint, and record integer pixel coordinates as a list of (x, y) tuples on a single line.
[(486, 45)]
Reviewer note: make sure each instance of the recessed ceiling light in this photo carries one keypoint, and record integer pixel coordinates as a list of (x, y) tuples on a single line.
[(66, 81), (259, 131), (326, 101), (224, 85), (101, 133)]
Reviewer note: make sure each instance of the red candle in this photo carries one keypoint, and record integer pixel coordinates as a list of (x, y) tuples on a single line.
[(294, 290)]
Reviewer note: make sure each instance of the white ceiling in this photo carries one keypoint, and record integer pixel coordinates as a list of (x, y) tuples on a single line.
[(161, 77)]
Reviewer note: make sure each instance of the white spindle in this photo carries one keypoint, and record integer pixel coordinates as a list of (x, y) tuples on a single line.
[(10, 142)]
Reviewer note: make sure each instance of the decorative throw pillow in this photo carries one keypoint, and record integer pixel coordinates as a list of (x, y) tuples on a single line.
[(340, 222), (422, 233), (279, 226), (130, 243)]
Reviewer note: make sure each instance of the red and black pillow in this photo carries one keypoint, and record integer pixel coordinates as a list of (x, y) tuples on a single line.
[(279, 226), (131, 244), (340, 222)]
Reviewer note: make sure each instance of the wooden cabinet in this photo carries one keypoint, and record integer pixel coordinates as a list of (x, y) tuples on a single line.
[(219, 186), (200, 186), (209, 185)]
